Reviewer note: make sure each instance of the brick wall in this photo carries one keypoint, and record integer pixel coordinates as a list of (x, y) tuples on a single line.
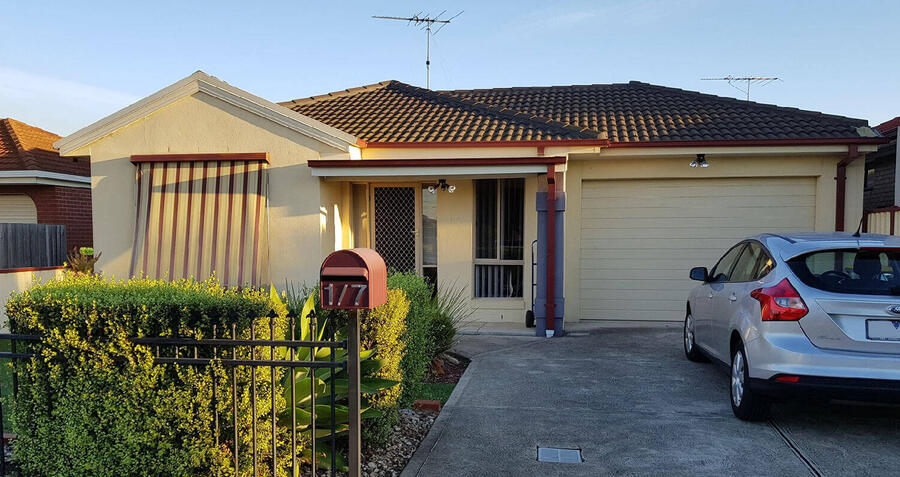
[(69, 206), (879, 190)]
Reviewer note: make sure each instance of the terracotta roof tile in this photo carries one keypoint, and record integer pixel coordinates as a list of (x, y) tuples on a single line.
[(25, 147), (889, 128)]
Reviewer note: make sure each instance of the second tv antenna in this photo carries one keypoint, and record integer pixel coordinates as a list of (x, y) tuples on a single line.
[(424, 22), (750, 80)]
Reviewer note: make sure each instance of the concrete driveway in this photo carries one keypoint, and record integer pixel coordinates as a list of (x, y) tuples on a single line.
[(635, 406)]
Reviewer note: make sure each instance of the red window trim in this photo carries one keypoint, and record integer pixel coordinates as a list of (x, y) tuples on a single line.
[(29, 269), (223, 156)]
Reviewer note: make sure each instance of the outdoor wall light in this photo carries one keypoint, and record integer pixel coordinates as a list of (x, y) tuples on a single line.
[(441, 185), (700, 161)]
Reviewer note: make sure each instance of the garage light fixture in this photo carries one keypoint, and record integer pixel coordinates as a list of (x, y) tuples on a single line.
[(700, 161)]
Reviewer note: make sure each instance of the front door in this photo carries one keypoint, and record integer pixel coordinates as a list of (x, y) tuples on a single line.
[(395, 226)]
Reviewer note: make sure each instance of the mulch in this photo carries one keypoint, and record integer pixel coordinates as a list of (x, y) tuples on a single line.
[(451, 372)]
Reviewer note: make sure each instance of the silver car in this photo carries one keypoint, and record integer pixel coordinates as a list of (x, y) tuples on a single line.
[(811, 313)]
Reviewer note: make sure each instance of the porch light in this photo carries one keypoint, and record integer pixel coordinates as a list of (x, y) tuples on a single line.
[(441, 185), (700, 161)]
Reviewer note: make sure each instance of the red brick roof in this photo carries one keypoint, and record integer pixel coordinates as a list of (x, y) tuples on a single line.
[(25, 147), (889, 128), (396, 112)]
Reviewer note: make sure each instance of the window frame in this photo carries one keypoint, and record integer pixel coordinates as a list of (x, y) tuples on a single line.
[(497, 238)]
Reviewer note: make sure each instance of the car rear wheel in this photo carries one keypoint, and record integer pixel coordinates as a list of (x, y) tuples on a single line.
[(746, 405), (690, 344)]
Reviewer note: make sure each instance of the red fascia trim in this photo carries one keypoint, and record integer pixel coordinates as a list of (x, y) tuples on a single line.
[(225, 156), (435, 144), (754, 142), (461, 161), (29, 269)]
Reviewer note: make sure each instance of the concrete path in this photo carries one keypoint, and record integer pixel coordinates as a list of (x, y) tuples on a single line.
[(635, 406)]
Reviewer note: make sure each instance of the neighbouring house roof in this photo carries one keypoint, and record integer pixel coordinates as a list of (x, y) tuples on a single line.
[(26, 148), (889, 128), (210, 85), (392, 111)]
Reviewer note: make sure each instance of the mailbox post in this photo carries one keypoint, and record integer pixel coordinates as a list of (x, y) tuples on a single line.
[(353, 280)]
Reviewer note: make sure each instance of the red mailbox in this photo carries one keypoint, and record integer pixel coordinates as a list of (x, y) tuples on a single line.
[(353, 279)]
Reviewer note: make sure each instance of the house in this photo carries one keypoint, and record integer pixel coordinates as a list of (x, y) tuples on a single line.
[(37, 186), (881, 183), (613, 191)]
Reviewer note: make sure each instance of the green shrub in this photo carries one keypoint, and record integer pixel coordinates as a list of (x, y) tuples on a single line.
[(92, 403), (382, 329), (451, 308), (421, 312)]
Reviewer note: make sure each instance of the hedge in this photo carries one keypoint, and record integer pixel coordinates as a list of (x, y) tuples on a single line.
[(418, 349), (92, 403)]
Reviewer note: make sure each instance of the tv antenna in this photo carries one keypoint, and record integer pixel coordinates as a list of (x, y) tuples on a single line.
[(750, 80), (424, 22)]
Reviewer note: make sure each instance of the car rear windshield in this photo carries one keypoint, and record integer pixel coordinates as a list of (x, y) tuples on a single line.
[(852, 271)]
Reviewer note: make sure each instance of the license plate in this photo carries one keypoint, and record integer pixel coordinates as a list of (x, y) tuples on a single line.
[(883, 330)]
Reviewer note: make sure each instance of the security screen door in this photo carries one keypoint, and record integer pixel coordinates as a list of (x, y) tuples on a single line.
[(395, 226)]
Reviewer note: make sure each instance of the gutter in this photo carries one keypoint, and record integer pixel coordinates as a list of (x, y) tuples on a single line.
[(462, 161), (550, 304), (841, 197)]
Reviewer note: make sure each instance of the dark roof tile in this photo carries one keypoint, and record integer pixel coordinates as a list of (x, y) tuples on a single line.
[(396, 112)]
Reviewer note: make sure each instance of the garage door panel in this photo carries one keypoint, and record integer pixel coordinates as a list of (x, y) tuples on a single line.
[(688, 227), (656, 243), (690, 188), (757, 200), (639, 238), (622, 305), (713, 210)]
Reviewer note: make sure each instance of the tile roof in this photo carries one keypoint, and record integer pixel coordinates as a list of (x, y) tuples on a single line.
[(392, 111), (25, 147), (889, 128)]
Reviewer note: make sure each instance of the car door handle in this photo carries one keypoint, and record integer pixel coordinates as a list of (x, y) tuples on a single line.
[(709, 296), (733, 297)]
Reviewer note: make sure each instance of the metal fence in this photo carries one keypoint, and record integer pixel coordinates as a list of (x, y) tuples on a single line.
[(881, 221), (32, 245), (223, 351)]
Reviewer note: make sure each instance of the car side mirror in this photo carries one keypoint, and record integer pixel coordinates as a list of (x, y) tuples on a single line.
[(701, 274)]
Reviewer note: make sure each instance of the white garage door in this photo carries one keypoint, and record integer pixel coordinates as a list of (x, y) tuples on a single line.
[(17, 209), (639, 238)]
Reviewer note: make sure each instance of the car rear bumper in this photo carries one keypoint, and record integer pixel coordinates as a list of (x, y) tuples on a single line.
[(853, 389), (783, 349)]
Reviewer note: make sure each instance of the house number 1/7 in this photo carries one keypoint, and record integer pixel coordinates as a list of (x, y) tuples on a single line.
[(360, 290)]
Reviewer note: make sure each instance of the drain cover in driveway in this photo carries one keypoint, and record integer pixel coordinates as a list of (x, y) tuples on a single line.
[(559, 455)]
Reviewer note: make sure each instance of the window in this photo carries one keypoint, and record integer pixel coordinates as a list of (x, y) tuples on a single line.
[(864, 272), (499, 230), (754, 264), (429, 236), (870, 176), (722, 271)]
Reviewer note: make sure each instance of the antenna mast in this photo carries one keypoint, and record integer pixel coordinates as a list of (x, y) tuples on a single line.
[(751, 80), (424, 22)]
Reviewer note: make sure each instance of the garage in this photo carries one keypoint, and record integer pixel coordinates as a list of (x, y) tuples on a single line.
[(17, 209), (639, 238)]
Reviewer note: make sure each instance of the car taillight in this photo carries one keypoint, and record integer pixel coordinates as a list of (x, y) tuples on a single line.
[(780, 302)]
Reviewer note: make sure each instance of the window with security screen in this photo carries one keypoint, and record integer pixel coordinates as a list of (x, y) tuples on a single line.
[(499, 231)]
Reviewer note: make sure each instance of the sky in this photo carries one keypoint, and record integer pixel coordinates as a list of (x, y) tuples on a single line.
[(64, 65)]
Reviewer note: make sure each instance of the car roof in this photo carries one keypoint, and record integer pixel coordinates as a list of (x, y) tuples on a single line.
[(791, 245)]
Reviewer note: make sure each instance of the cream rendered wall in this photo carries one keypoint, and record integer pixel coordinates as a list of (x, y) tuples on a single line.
[(600, 166), (18, 282), (456, 244), (301, 226)]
